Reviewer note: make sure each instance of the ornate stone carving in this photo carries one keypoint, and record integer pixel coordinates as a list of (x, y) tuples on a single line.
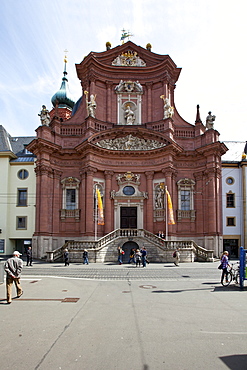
[(129, 86), (130, 142), (70, 182), (127, 177), (128, 59)]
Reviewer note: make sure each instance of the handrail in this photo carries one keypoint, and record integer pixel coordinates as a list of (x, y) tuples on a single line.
[(96, 245)]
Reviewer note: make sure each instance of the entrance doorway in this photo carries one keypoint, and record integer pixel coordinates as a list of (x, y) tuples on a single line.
[(128, 217), (127, 248), (231, 246)]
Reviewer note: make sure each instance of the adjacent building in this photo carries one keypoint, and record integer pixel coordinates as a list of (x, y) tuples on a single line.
[(234, 197), (17, 193)]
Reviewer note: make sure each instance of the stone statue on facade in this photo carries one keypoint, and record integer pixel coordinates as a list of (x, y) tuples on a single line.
[(159, 198), (44, 116), (91, 104), (210, 121), (129, 116), (168, 109)]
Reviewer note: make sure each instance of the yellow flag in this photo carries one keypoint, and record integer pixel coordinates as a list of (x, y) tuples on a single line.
[(100, 208), (169, 209)]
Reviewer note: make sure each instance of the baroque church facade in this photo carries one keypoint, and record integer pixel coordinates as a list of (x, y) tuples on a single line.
[(125, 138)]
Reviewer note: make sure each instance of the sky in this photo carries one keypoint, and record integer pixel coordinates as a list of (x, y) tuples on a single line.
[(206, 38)]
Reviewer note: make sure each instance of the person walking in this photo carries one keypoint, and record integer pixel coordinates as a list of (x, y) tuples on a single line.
[(144, 256), (225, 263), (85, 257), (176, 256), (120, 255), (66, 257), (138, 257), (29, 256), (13, 268), (132, 256)]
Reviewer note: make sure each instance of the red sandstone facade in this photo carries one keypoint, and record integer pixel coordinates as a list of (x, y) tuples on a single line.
[(130, 158)]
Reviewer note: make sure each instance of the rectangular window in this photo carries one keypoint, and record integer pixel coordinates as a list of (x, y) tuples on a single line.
[(21, 223), (22, 198), (185, 200), (230, 200), (230, 221), (70, 198), (2, 242)]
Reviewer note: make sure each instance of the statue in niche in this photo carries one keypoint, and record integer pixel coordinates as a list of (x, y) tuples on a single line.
[(44, 116), (168, 109), (129, 116), (210, 121), (159, 198), (91, 104)]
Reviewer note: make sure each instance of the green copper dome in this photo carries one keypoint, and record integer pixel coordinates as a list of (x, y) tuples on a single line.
[(63, 96)]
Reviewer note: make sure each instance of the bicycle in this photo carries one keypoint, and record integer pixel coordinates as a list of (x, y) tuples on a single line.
[(231, 275)]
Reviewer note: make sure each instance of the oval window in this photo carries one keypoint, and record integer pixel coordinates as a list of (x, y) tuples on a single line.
[(23, 174), (128, 190), (229, 180)]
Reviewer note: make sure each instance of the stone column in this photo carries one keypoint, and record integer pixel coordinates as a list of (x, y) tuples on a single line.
[(108, 215), (149, 205), (199, 204), (109, 102), (56, 201), (82, 202), (90, 201), (43, 199), (149, 102), (211, 215)]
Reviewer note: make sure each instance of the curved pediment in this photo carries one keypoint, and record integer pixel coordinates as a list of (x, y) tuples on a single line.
[(129, 141)]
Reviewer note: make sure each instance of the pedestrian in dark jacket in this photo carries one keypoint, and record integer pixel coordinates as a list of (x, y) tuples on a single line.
[(144, 256), (66, 257), (29, 256), (85, 257)]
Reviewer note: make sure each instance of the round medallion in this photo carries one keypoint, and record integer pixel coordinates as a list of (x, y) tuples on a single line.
[(129, 190)]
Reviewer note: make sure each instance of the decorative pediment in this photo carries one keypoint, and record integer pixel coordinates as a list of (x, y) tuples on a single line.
[(129, 59), (130, 142)]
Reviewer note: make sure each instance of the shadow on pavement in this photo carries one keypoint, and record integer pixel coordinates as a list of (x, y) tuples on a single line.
[(235, 362)]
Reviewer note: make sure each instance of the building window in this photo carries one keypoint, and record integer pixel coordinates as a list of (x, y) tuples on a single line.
[(23, 174), (186, 199), (21, 197), (230, 200), (230, 221), (21, 223), (185, 194), (70, 198), (230, 180), (70, 201)]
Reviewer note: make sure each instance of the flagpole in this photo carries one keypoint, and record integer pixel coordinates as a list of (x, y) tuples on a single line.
[(166, 213), (96, 214)]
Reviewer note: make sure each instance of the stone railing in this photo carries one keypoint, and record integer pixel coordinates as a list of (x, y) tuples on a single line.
[(95, 245)]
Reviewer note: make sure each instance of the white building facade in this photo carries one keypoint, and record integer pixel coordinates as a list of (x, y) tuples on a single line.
[(17, 193), (234, 180)]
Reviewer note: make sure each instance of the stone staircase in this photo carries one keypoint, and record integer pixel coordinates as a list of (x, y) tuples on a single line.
[(105, 248)]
